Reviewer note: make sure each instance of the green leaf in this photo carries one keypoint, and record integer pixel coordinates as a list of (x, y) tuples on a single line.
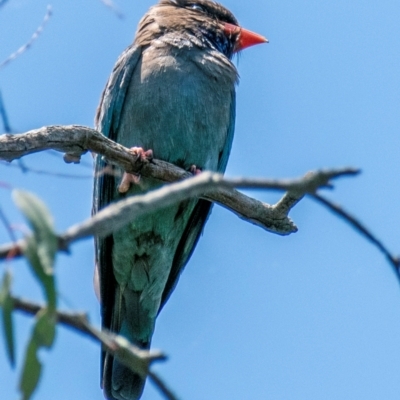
[(41, 248), (46, 280), (42, 336), (45, 329), (42, 224), (31, 372), (6, 304)]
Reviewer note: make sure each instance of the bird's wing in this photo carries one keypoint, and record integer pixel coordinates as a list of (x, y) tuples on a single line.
[(198, 217), (112, 100), (107, 122)]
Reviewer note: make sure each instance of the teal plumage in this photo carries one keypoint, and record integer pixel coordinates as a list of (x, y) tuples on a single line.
[(172, 91)]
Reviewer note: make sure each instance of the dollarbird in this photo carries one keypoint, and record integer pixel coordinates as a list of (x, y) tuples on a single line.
[(172, 92)]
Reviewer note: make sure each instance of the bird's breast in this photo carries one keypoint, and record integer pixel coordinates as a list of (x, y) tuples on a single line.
[(179, 105)]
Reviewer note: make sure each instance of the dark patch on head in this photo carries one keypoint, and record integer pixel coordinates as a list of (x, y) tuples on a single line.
[(210, 8), (210, 12)]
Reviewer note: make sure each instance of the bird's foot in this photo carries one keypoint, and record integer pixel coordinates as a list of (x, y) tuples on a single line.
[(143, 155), (194, 170), (127, 178)]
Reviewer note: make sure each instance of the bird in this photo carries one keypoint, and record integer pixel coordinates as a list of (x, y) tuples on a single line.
[(171, 95)]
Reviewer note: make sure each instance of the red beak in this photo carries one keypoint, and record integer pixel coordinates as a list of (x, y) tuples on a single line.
[(246, 38)]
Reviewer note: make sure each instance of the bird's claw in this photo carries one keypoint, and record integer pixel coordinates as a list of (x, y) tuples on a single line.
[(143, 155), (194, 170), (127, 178)]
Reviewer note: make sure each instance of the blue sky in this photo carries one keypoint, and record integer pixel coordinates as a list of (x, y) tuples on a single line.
[(310, 316)]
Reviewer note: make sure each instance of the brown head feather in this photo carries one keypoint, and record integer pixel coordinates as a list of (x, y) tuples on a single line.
[(203, 19)]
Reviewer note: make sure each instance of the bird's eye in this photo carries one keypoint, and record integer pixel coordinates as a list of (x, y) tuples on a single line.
[(197, 7)]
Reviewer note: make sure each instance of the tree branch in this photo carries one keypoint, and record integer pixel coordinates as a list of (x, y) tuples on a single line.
[(118, 214), (3, 115), (29, 44), (361, 229), (110, 4), (75, 140), (116, 345), (3, 2)]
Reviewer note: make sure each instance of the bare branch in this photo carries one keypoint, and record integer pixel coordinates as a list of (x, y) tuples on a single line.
[(110, 4), (114, 344), (360, 228), (7, 225), (76, 321), (75, 140), (161, 386), (3, 115), (25, 169), (12, 250), (79, 322), (118, 214), (27, 45), (3, 2)]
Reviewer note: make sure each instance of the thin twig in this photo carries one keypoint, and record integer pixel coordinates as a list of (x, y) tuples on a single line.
[(309, 183), (12, 250), (3, 2), (76, 321), (27, 169), (27, 45), (76, 140), (118, 214), (110, 4), (161, 386), (5, 185), (7, 225), (79, 323), (360, 228), (4, 117)]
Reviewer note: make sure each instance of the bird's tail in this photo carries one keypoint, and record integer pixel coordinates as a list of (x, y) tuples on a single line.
[(130, 321)]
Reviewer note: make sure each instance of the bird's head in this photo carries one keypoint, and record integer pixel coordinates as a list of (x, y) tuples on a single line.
[(211, 23)]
